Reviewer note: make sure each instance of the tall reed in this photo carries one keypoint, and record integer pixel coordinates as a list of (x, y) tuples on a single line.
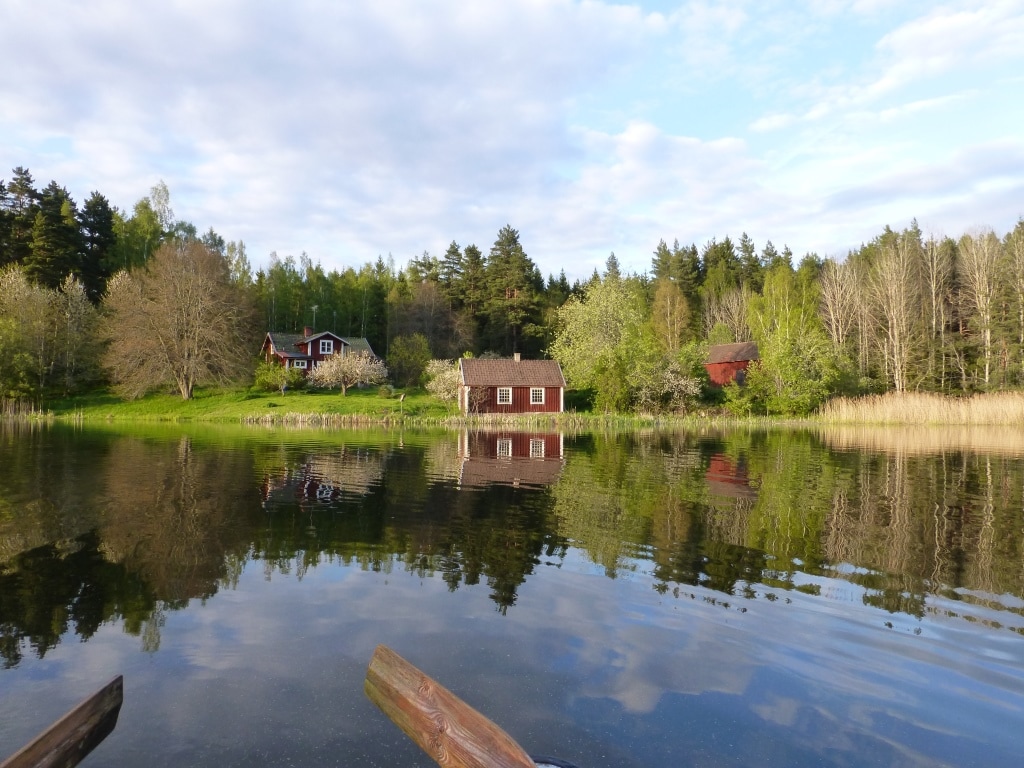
[(995, 408)]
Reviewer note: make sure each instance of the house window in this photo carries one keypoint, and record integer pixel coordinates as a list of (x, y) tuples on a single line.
[(504, 447), (504, 395), (298, 363), (536, 395), (326, 346), (536, 448)]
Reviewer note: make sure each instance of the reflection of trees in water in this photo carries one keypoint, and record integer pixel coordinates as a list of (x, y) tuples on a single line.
[(923, 525), (774, 508), (740, 513), (171, 511), (49, 590), (407, 523)]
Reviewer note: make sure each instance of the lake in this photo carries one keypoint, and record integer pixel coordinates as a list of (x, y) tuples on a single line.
[(651, 598)]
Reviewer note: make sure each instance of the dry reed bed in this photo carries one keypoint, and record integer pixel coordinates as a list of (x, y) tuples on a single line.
[(991, 409), (923, 439)]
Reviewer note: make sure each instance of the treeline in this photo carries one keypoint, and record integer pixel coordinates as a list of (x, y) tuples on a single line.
[(903, 312)]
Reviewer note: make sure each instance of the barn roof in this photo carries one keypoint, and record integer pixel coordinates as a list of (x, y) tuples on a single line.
[(733, 353), (507, 372)]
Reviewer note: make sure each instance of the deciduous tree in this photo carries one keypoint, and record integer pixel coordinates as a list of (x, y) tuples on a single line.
[(443, 379), (979, 258), (344, 371), (178, 321)]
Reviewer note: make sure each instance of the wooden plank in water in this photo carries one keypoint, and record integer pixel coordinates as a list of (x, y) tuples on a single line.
[(76, 734), (453, 733)]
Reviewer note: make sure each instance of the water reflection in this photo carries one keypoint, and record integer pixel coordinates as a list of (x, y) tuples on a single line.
[(97, 527), (507, 457)]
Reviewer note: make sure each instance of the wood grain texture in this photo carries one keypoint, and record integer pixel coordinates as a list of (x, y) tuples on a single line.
[(76, 734), (453, 733)]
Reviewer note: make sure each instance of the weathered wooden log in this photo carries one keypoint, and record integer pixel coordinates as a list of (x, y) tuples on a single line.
[(76, 734), (453, 733)]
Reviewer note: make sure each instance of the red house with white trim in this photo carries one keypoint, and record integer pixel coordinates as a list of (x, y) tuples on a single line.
[(306, 350), (511, 385)]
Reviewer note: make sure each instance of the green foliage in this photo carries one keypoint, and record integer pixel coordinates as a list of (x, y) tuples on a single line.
[(797, 367), (271, 376), (16, 380), (408, 359)]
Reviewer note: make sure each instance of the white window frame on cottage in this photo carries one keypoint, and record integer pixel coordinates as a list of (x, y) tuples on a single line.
[(504, 396), (299, 364), (536, 395), (536, 448), (326, 346), (504, 447)]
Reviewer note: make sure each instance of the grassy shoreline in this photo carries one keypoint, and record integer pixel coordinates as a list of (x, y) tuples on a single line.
[(367, 408), (359, 408)]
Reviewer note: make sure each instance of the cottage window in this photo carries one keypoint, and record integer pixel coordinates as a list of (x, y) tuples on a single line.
[(298, 363), (504, 447), (505, 396), (536, 395), (326, 346), (536, 448)]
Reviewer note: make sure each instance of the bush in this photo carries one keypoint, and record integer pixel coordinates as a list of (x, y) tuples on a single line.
[(272, 377)]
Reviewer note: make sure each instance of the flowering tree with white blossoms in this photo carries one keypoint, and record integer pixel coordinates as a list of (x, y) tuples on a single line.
[(443, 379), (347, 370)]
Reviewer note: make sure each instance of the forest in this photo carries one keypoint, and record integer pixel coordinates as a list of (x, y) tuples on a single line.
[(83, 289)]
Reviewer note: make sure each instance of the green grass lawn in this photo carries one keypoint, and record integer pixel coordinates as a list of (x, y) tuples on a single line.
[(244, 404)]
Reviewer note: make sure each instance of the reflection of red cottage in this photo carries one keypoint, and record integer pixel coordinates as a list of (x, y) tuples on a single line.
[(729, 362)]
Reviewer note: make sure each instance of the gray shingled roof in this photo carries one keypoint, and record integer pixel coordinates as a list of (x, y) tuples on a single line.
[(733, 353), (507, 372)]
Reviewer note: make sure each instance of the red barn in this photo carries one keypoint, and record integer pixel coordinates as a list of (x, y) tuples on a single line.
[(729, 362), (511, 386)]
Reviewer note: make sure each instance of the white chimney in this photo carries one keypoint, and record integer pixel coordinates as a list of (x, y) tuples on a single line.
[(515, 356)]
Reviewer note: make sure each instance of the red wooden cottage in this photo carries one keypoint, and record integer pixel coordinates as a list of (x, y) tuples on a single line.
[(306, 350), (729, 362), (511, 386)]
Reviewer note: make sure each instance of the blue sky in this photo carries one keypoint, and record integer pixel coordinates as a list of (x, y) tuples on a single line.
[(349, 130)]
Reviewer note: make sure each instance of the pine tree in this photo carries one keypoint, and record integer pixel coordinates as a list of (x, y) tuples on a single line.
[(21, 204), (513, 285), (57, 245), (96, 223)]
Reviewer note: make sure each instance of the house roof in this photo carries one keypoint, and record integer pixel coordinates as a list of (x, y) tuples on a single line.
[(287, 344), (506, 372), (733, 353)]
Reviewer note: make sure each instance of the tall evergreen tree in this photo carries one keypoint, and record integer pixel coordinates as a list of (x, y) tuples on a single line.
[(57, 244), (751, 270), (96, 222), (513, 283), (21, 203)]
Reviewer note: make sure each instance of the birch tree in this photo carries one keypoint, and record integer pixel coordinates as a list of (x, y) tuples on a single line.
[(979, 258), (937, 268), (1014, 247), (838, 301), (893, 286)]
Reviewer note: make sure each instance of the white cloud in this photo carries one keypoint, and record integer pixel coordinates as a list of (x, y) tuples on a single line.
[(349, 130)]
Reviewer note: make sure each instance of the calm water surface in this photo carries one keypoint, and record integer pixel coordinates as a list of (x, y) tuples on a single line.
[(849, 598)]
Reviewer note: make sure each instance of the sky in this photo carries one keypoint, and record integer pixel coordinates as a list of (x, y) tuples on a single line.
[(352, 130)]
